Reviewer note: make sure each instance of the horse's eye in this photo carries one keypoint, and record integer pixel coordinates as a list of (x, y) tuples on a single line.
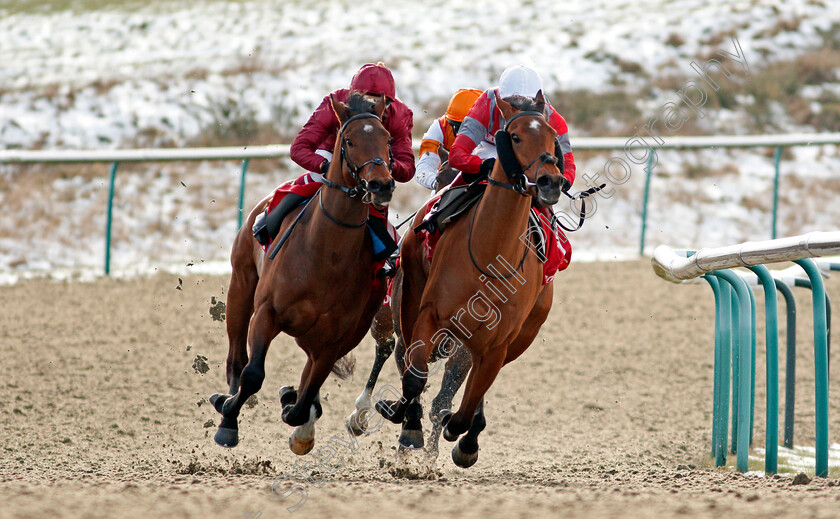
[(349, 143), (515, 138)]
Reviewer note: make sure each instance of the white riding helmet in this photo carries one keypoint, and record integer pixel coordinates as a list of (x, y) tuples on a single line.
[(519, 80)]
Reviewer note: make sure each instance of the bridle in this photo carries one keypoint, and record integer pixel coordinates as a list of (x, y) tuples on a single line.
[(519, 182), (361, 187)]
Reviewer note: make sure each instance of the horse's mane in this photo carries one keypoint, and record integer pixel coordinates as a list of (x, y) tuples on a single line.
[(360, 103), (524, 103)]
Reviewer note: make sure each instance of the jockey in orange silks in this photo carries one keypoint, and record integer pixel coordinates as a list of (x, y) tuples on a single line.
[(442, 132)]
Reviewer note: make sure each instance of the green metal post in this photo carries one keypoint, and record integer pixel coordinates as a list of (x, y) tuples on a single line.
[(108, 219), (242, 193), (715, 284), (790, 361), (778, 159), (736, 369), (820, 363), (771, 318), (752, 363), (725, 372), (744, 330), (649, 171)]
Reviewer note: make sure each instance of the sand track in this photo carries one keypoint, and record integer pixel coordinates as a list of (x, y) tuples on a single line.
[(608, 414)]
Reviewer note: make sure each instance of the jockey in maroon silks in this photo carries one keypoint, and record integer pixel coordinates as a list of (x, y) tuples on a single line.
[(474, 150), (312, 148)]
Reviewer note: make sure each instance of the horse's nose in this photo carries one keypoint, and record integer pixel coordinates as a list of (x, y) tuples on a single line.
[(377, 187)]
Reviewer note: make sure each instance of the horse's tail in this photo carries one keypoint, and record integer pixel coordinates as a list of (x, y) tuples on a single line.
[(345, 366)]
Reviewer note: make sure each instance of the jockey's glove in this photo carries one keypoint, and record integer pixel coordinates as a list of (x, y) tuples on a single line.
[(487, 167), (325, 166)]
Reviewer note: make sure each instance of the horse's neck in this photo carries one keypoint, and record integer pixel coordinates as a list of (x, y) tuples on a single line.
[(501, 218)]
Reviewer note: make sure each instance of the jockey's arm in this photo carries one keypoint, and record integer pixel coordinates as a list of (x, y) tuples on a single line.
[(317, 129), (559, 124), (400, 128), (427, 166)]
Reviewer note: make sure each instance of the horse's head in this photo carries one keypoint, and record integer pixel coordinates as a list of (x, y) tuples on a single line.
[(366, 159), (526, 149)]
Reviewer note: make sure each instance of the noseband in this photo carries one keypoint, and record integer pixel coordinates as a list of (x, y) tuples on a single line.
[(361, 187)]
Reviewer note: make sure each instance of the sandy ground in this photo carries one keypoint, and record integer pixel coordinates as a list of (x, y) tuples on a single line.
[(607, 415)]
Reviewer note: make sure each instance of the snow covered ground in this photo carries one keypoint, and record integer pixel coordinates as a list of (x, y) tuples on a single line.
[(101, 79)]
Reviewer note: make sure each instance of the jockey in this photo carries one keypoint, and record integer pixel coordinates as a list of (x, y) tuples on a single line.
[(313, 146), (442, 132), (474, 150)]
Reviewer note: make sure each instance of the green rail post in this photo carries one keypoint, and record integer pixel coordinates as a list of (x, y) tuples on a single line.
[(771, 318), (752, 362), (736, 369), (744, 331), (820, 363), (649, 170), (108, 219), (725, 373), (790, 361), (778, 160), (242, 193), (715, 284)]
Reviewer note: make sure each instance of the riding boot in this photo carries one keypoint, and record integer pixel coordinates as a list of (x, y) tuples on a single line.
[(267, 225)]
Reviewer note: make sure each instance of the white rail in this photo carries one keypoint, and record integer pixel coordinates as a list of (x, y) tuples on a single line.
[(282, 150), (676, 266)]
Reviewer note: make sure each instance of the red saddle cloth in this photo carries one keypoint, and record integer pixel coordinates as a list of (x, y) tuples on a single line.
[(558, 249), (307, 187)]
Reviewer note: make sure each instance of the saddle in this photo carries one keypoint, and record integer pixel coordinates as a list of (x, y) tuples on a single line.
[(454, 202)]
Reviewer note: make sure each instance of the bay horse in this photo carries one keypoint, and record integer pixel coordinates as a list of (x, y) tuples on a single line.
[(383, 330), (485, 294), (318, 289)]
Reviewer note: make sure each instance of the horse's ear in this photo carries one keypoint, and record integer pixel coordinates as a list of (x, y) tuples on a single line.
[(381, 105), (443, 154), (340, 109), (540, 99), (507, 109)]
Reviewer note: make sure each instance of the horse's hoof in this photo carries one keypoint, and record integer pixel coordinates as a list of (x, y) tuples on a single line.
[(300, 447), (463, 459), (445, 416), (218, 401), (353, 425), (288, 396), (227, 437), (386, 409), (411, 439)]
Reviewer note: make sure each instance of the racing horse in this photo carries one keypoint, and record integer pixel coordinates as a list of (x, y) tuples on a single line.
[(318, 287), (483, 290), (383, 329)]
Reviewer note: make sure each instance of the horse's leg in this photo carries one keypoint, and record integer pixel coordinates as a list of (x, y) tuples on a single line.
[(415, 374), (382, 331), (320, 368), (454, 374), (303, 437), (411, 436), (483, 373), (465, 452), (262, 331), (240, 306)]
